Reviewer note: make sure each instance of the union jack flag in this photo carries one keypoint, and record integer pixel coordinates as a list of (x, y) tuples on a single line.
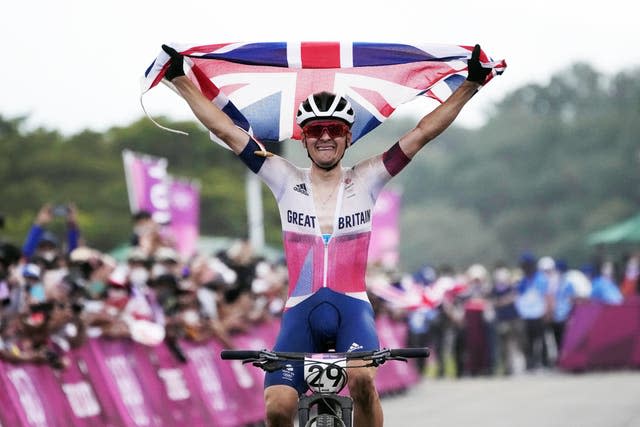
[(260, 85)]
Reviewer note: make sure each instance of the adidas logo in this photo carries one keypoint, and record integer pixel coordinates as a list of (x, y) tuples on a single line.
[(354, 347), (301, 188)]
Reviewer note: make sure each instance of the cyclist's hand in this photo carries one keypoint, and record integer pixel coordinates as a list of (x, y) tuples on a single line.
[(176, 66), (477, 73)]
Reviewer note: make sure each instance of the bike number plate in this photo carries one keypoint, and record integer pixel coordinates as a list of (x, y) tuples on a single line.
[(325, 374)]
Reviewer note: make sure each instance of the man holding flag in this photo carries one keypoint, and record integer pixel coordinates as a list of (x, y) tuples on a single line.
[(326, 219)]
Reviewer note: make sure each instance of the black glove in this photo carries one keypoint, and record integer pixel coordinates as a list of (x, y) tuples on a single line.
[(477, 73), (176, 66)]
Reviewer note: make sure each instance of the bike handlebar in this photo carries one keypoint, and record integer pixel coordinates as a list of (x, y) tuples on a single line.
[(410, 352), (240, 354), (381, 355)]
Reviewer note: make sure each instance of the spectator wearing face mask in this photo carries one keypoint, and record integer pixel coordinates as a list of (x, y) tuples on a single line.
[(147, 233), (27, 339), (44, 245), (166, 261), (10, 288), (139, 267), (139, 276), (109, 321)]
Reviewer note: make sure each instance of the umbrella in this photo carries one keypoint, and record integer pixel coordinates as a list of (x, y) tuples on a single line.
[(625, 231)]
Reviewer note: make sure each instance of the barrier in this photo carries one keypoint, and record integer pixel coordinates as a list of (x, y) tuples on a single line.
[(30, 397), (601, 336), (394, 376), (120, 383)]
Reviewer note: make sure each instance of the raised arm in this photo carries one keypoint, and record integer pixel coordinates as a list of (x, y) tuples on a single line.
[(212, 117), (434, 123)]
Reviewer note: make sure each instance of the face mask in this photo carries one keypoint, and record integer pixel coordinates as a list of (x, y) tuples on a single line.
[(158, 270), (190, 317), (139, 275), (49, 256)]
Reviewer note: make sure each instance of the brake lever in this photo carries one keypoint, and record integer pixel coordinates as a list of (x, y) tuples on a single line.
[(268, 355), (379, 357), (268, 361)]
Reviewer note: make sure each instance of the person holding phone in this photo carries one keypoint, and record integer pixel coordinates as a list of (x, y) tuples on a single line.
[(44, 245)]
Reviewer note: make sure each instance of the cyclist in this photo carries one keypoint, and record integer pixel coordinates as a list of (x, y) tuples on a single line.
[(326, 219)]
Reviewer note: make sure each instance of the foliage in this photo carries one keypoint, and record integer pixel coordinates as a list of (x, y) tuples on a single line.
[(40, 166)]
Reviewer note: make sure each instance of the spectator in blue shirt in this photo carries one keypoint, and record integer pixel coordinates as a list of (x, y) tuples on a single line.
[(532, 304), (43, 246), (603, 288)]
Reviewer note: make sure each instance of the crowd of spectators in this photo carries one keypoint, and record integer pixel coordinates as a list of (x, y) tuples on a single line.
[(54, 294), (505, 320)]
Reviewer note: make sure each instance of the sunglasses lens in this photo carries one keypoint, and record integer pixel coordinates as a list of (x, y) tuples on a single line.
[(314, 131), (335, 130)]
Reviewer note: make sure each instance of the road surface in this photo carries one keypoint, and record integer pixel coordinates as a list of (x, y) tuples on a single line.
[(549, 399)]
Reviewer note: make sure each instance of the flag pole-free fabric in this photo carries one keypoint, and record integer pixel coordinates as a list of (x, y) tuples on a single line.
[(260, 85)]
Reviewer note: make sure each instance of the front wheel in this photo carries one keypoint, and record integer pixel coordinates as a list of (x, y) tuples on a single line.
[(327, 420)]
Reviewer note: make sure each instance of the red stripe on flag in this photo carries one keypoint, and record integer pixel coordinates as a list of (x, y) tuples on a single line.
[(320, 54), (208, 89), (208, 48)]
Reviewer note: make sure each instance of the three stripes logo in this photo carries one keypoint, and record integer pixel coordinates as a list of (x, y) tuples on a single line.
[(301, 188)]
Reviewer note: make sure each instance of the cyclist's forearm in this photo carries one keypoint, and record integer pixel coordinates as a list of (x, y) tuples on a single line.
[(211, 116), (434, 123)]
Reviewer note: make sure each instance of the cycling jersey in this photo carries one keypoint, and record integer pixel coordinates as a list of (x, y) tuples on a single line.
[(337, 261)]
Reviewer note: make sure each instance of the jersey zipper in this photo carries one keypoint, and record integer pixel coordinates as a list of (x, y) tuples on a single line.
[(325, 257), (336, 215), (325, 268)]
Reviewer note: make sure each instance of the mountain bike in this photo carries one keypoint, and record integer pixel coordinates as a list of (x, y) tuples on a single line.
[(326, 376)]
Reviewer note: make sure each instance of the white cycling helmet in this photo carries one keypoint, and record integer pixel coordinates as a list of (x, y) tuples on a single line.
[(325, 105)]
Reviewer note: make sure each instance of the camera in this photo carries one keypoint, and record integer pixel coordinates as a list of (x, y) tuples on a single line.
[(60, 210)]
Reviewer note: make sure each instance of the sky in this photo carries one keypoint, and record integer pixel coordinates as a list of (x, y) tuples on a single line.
[(71, 65)]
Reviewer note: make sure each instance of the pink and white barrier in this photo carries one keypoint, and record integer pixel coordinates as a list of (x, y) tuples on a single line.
[(119, 383), (602, 336)]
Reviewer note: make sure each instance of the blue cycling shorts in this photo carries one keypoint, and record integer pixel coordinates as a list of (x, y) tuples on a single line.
[(326, 320)]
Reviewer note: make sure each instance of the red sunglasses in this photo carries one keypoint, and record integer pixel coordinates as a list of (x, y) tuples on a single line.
[(334, 129)]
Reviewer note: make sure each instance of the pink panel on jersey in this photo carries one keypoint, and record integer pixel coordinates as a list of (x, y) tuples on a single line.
[(348, 262), (346, 257), (305, 254)]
